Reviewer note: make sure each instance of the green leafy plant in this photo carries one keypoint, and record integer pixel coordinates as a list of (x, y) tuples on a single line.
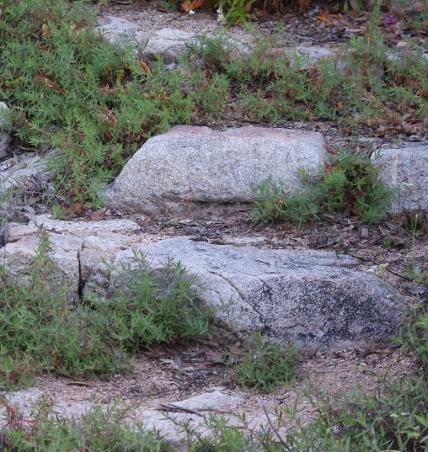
[(153, 307), (393, 418), (236, 11), (89, 99), (40, 333), (414, 222), (349, 182), (266, 365)]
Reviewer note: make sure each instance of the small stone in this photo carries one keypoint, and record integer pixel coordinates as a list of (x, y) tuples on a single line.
[(216, 400)]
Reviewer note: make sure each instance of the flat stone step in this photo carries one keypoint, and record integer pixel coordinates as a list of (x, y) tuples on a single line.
[(315, 299), (197, 164)]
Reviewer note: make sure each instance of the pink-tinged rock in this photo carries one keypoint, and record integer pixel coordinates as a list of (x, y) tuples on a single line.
[(200, 165)]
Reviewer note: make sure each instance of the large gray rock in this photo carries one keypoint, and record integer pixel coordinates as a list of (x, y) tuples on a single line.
[(197, 164), (406, 171), (312, 298)]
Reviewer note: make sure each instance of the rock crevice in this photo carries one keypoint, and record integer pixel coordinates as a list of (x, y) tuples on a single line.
[(314, 299)]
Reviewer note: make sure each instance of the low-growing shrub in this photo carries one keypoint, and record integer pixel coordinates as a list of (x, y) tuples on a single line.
[(394, 419), (415, 336), (266, 365), (153, 307), (89, 99), (348, 184), (40, 333)]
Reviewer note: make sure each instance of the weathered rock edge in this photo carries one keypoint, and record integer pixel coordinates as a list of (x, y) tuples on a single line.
[(312, 298), (200, 165)]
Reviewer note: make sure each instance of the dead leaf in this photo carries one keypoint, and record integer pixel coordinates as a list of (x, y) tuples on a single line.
[(188, 5), (45, 31), (144, 66), (49, 81)]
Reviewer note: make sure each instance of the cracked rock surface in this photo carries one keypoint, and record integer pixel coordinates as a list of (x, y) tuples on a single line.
[(77, 247), (312, 298), (316, 299)]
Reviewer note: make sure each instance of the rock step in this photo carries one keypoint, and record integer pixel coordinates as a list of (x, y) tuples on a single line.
[(197, 164), (315, 299), (166, 418)]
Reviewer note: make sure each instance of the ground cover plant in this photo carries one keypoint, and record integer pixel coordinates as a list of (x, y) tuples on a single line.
[(96, 103), (348, 184), (40, 333), (266, 366)]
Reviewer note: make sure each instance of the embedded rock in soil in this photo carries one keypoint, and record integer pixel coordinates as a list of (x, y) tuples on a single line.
[(122, 226), (76, 248), (307, 55), (23, 172), (17, 258), (312, 298), (215, 400), (167, 42), (167, 419), (170, 43), (406, 171), (207, 403), (197, 164), (120, 31)]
